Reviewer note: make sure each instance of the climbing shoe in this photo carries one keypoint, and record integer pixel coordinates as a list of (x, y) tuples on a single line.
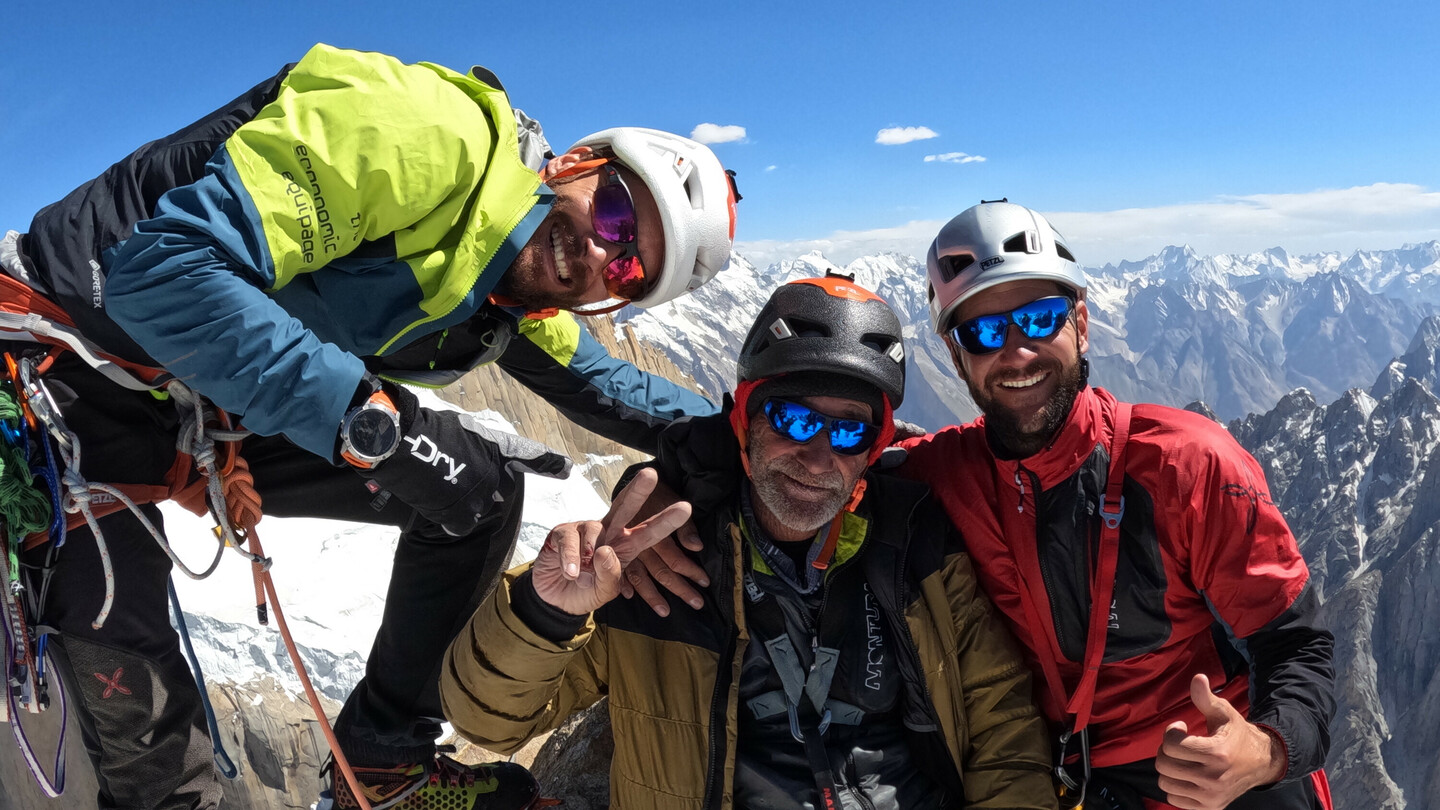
[(441, 784)]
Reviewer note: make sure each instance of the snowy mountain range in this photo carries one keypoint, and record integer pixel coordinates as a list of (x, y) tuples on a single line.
[(1236, 332)]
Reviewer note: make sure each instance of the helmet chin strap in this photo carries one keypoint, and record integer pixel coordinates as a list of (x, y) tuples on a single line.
[(537, 315), (620, 303), (550, 312)]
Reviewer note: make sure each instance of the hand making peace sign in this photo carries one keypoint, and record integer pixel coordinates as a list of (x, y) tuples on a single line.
[(579, 567)]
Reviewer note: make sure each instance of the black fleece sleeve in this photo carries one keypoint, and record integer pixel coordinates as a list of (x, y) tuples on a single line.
[(1292, 683), (544, 618), (699, 458)]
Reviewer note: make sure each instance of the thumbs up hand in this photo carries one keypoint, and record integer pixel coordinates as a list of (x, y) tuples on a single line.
[(1208, 769)]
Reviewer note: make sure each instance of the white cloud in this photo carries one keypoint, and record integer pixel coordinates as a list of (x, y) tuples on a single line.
[(893, 136), (1378, 216), (842, 247), (771, 168), (954, 157), (718, 133), (1375, 217)]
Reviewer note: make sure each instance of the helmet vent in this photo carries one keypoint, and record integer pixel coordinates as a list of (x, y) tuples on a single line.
[(781, 330), (877, 342), (952, 266), (1064, 252), (808, 329), (884, 344), (1023, 242), (693, 191)]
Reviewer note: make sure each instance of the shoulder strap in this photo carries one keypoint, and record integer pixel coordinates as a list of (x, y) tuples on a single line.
[(1102, 588), (1102, 583)]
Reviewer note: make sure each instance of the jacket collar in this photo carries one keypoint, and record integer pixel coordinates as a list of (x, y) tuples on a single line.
[(1090, 424)]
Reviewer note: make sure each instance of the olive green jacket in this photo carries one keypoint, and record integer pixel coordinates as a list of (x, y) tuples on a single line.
[(673, 682)]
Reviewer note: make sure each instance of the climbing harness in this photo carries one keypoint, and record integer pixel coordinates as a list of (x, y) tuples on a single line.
[(222, 486)]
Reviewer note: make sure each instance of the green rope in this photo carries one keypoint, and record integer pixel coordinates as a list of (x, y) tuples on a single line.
[(23, 507)]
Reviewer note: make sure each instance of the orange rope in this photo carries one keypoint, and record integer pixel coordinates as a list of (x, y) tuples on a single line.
[(242, 503)]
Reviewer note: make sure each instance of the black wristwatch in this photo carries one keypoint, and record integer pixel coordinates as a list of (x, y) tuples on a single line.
[(370, 432)]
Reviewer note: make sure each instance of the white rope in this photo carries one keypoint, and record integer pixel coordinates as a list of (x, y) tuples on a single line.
[(79, 492), (198, 442)]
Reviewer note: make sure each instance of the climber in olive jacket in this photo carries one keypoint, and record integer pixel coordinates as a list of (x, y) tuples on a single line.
[(672, 681)]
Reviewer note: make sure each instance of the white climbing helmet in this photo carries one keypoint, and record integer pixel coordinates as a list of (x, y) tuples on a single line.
[(696, 197), (994, 243)]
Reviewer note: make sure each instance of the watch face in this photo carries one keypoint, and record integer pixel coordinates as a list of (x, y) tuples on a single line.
[(373, 433)]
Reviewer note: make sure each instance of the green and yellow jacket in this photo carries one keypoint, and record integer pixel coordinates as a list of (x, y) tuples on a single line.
[(350, 211)]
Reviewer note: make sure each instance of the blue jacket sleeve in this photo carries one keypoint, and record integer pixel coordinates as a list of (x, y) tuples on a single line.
[(564, 364), (185, 288)]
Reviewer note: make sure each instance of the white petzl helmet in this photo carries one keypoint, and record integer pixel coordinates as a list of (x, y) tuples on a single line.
[(994, 243), (696, 198)]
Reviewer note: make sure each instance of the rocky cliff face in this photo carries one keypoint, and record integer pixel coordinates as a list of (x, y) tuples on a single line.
[(602, 460), (1359, 483), (269, 733)]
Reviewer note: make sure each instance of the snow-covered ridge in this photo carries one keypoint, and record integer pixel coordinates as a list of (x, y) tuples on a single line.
[(1236, 331)]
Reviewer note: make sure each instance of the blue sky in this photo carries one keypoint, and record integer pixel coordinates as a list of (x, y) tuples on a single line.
[(1229, 126)]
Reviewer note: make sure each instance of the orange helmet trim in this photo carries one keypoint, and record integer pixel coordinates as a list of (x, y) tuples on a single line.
[(841, 288)]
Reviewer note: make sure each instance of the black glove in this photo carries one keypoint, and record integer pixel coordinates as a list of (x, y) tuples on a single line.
[(448, 466)]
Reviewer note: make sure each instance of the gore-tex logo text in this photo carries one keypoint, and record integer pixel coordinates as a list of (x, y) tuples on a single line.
[(97, 285), (424, 448)]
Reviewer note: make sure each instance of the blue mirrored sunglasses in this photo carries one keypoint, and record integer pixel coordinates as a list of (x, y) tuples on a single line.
[(1037, 320), (848, 437)]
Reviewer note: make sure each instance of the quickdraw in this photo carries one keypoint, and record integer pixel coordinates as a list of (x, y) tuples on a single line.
[(26, 508)]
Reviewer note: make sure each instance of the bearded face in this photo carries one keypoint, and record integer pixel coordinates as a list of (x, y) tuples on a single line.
[(800, 487), (1027, 387)]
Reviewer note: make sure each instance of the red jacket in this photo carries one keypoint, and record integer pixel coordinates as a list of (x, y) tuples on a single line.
[(1206, 558)]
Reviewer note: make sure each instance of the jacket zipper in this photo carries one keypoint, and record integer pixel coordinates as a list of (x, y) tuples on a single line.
[(853, 789), (719, 697), (1046, 578)]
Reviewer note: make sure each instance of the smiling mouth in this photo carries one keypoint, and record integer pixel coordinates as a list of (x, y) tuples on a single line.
[(806, 491), (1029, 382), (557, 247)]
